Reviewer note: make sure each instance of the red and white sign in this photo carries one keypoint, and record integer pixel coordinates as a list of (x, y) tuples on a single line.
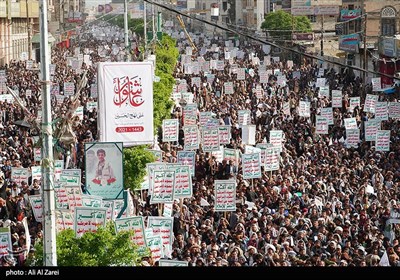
[(125, 91)]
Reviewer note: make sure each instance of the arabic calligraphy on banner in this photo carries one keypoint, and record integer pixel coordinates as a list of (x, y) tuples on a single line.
[(137, 225), (88, 219), (125, 91), (225, 195)]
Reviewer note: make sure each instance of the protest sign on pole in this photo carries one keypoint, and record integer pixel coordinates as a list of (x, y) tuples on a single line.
[(382, 142), (251, 164), (170, 130), (225, 195), (137, 225), (89, 219)]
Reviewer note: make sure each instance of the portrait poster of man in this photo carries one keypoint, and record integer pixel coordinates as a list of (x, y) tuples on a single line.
[(103, 169)]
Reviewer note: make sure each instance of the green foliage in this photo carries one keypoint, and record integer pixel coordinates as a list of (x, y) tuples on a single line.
[(134, 24), (166, 59), (101, 248), (284, 23), (137, 26), (303, 24), (135, 160)]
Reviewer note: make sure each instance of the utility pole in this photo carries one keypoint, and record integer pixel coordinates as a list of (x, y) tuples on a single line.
[(365, 61), (153, 19), (49, 225), (126, 29), (28, 27), (322, 37), (292, 31), (61, 23), (145, 27)]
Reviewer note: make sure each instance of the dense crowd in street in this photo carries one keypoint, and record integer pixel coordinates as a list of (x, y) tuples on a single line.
[(327, 204)]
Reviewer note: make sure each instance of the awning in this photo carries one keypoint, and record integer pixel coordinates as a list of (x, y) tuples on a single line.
[(36, 38)]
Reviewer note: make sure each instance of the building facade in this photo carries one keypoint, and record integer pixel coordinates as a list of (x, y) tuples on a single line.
[(19, 20), (382, 25), (250, 13)]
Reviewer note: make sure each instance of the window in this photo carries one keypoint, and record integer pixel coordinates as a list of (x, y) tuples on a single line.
[(388, 21)]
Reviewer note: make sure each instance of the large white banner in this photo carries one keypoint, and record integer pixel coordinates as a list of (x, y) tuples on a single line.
[(125, 92)]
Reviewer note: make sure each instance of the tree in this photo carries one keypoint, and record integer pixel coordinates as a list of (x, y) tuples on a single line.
[(104, 247), (135, 160), (279, 25), (134, 24), (166, 59)]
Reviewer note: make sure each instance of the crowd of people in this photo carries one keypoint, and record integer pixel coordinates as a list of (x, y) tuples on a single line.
[(327, 205)]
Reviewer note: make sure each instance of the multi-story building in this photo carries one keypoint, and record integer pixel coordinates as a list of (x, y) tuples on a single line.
[(19, 25), (19, 20), (383, 24), (250, 13), (374, 23), (215, 11), (65, 15)]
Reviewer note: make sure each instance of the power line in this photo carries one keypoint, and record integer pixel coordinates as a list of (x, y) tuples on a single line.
[(269, 42)]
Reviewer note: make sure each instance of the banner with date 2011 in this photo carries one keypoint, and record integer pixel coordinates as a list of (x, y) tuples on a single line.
[(125, 92)]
